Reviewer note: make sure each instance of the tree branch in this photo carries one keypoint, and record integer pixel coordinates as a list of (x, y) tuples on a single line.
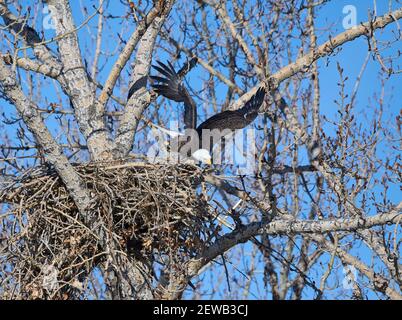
[(52, 151), (90, 115), (140, 98)]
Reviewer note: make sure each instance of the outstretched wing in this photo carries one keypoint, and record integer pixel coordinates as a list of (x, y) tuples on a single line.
[(235, 119), (171, 87), (251, 107)]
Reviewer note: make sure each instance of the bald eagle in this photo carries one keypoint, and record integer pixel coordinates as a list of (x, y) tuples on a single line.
[(170, 86)]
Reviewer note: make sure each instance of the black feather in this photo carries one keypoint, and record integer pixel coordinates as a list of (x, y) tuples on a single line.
[(235, 119), (140, 83), (171, 87)]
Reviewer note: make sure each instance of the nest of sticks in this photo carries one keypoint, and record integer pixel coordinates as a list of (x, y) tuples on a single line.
[(149, 209)]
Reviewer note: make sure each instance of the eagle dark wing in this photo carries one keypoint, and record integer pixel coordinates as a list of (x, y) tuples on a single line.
[(171, 87), (235, 119), (140, 83)]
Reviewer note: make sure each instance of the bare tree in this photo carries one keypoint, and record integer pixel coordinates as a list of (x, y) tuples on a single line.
[(86, 214)]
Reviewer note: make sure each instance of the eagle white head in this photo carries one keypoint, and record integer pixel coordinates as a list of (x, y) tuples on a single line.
[(203, 156)]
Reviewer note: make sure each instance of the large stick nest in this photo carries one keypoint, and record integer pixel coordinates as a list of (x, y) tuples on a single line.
[(148, 209)]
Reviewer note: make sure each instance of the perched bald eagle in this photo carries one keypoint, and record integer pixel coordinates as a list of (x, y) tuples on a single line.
[(171, 87)]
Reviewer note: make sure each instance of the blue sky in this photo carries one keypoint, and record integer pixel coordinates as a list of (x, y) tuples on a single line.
[(351, 58)]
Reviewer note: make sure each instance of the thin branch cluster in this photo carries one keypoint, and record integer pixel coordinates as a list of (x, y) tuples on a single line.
[(47, 249)]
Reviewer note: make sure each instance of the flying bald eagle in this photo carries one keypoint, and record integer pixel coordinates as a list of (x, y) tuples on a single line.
[(171, 87)]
